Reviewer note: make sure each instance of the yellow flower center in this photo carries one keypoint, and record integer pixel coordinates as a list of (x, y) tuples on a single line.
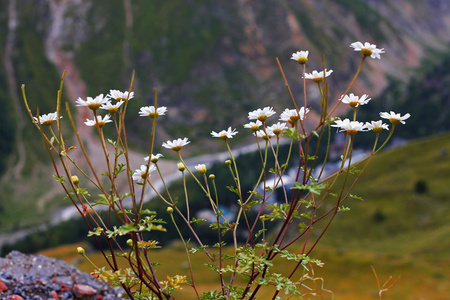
[(377, 129), (353, 103), (366, 52), (352, 131), (293, 119), (394, 121), (153, 115), (223, 136), (177, 148), (100, 124), (302, 60), (277, 131), (113, 110), (262, 118), (318, 79), (144, 175), (254, 128), (47, 123), (94, 106)]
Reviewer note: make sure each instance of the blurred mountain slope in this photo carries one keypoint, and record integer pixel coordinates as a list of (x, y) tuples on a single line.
[(211, 62)]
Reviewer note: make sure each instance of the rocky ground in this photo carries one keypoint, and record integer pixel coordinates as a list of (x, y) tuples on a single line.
[(38, 277)]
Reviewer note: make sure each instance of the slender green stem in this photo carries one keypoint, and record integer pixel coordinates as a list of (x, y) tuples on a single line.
[(187, 255)]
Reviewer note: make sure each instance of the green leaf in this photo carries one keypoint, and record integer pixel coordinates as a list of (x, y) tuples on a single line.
[(314, 188), (98, 231), (256, 194), (82, 191), (198, 249), (147, 212), (233, 189), (260, 232), (354, 170), (356, 197), (293, 134), (194, 220), (343, 208), (111, 142), (120, 168), (59, 178), (105, 201)]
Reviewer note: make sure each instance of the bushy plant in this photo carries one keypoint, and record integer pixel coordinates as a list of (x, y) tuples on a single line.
[(291, 206)]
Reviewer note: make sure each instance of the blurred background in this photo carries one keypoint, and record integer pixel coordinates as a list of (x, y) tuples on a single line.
[(212, 62)]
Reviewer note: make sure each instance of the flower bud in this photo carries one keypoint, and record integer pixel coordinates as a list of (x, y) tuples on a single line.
[(201, 168), (75, 180), (80, 250), (169, 210), (212, 177), (130, 242), (228, 162), (181, 167)]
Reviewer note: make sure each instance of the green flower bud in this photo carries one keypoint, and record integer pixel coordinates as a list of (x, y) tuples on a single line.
[(169, 210), (212, 177), (130, 242), (228, 162), (75, 180), (80, 250)]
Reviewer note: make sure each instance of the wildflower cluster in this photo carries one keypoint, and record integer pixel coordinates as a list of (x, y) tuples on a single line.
[(308, 201)]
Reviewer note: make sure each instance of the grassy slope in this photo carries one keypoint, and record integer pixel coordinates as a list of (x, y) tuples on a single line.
[(396, 230)]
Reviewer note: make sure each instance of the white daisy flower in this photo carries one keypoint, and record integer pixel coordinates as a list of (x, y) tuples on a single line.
[(376, 126), (112, 108), (100, 122), (394, 118), (300, 56), (265, 135), (201, 168), (118, 95), (277, 128), (224, 134), (47, 119), (261, 114), (143, 173), (355, 101), (254, 126), (292, 116), (351, 127), (177, 144), (92, 103), (367, 49), (151, 112), (155, 157), (318, 76)]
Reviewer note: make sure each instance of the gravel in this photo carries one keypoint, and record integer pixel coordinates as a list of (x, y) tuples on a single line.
[(38, 277)]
